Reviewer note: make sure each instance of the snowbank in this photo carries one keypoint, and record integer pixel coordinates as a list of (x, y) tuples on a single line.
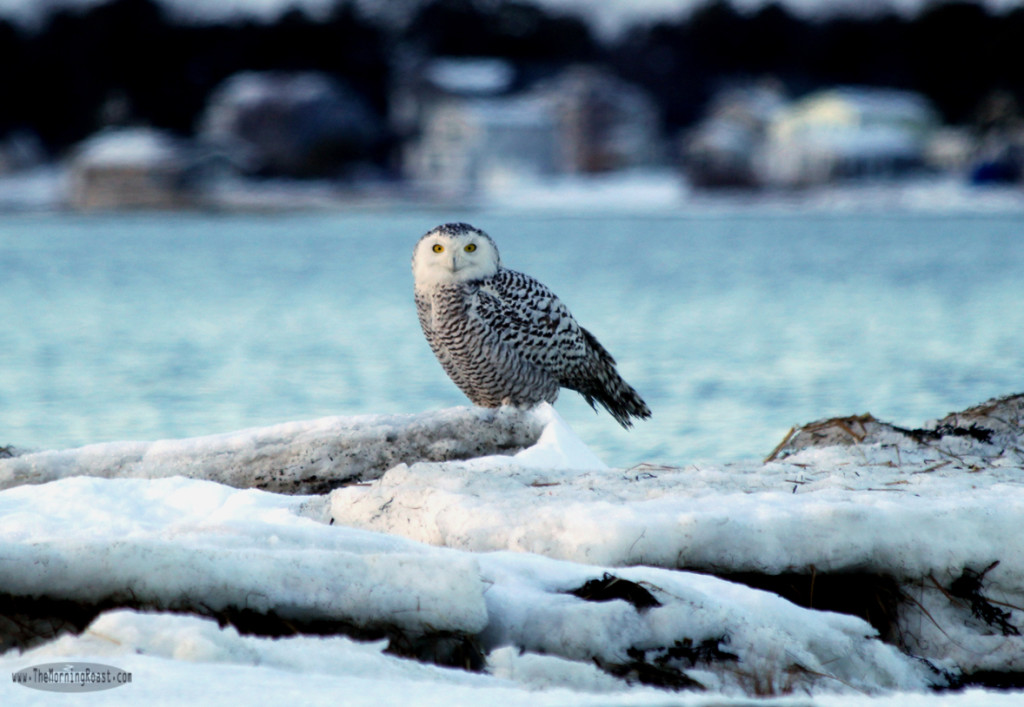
[(179, 659), (194, 546), (923, 508), (562, 580)]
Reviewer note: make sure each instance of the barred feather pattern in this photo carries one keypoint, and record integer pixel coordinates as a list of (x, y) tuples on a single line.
[(507, 339)]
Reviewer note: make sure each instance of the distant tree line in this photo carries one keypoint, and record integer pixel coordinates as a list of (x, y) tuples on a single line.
[(59, 78), (130, 51), (955, 53)]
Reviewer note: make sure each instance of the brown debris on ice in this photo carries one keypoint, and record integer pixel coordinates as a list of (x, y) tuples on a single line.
[(997, 424)]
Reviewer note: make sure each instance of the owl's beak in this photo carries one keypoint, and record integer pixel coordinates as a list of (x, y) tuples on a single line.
[(454, 263)]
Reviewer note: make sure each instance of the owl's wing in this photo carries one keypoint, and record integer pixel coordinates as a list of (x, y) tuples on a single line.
[(531, 319)]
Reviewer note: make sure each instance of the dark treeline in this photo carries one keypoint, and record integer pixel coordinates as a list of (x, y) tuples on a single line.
[(58, 78), (954, 53), (130, 50)]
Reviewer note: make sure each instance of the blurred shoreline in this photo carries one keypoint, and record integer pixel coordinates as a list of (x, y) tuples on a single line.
[(643, 191)]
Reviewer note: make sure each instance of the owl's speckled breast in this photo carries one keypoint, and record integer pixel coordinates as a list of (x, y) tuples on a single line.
[(480, 357)]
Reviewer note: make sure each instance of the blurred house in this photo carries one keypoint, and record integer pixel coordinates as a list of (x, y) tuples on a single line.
[(604, 123), (999, 154), (999, 159), (131, 168), (722, 150), (483, 143), (848, 132), (950, 149), (302, 124), (461, 129), (421, 84), (476, 132)]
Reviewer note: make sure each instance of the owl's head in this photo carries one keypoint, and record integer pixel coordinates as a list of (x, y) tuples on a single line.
[(454, 253)]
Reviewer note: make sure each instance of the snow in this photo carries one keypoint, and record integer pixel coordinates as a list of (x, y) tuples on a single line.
[(632, 191), (557, 447), (174, 538), (819, 507), (297, 456), (609, 18), (128, 147), (488, 551), (629, 191), (40, 188), (254, 87), (171, 541), (479, 76)]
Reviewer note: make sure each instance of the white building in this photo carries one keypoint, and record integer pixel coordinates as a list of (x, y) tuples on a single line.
[(130, 168), (605, 123), (421, 84), (721, 150), (302, 124), (475, 134), (847, 132), (482, 143)]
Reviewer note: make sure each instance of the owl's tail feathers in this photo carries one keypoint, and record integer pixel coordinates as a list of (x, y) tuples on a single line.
[(624, 403), (606, 386)]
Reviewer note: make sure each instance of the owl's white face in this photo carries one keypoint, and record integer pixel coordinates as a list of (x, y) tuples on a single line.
[(454, 253)]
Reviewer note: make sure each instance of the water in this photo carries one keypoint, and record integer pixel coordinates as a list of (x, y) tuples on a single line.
[(733, 326)]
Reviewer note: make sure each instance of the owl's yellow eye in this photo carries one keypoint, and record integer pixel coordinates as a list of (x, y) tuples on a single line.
[(438, 248), (470, 247)]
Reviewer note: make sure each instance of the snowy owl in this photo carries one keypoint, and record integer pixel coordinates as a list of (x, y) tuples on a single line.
[(502, 336)]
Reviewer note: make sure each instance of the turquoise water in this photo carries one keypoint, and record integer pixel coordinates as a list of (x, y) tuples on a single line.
[(734, 326)]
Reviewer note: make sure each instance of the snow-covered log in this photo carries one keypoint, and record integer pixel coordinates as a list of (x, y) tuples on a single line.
[(296, 457)]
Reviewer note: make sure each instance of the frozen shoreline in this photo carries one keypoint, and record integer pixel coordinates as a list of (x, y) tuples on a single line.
[(420, 557), (647, 191)]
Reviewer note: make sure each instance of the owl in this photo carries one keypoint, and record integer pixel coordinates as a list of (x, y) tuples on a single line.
[(502, 336)]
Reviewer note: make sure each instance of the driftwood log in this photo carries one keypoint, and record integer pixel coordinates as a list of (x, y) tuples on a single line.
[(296, 458), (996, 423)]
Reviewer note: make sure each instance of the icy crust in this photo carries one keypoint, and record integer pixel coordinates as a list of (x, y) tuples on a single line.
[(178, 660), (821, 510), (498, 553), (298, 457), (891, 504), (196, 546), (924, 508)]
